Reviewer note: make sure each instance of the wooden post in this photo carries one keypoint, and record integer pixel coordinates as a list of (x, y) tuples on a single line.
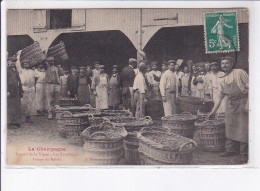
[(140, 35)]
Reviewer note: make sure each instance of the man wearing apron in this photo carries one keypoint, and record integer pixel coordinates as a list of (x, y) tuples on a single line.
[(114, 89), (235, 87), (100, 88)]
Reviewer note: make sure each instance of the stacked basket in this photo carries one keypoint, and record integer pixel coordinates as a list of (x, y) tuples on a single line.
[(164, 148), (72, 125), (104, 144), (194, 104), (32, 53), (133, 126), (64, 102), (211, 134), (180, 124), (116, 113), (58, 51)]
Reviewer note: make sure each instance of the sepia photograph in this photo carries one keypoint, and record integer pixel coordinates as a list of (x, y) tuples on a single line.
[(127, 86)]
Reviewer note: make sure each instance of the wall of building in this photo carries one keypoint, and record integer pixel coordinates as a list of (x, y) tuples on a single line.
[(22, 22)]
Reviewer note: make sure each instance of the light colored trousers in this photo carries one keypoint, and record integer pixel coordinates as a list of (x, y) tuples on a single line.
[(139, 105), (53, 95), (169, 105), (41, 97)]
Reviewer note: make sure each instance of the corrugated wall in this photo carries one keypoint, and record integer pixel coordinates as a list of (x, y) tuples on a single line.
[(20, 22)]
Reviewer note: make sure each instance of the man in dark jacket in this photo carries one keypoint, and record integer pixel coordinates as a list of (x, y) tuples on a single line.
[(14, 94), (127, 81), (73, 82)]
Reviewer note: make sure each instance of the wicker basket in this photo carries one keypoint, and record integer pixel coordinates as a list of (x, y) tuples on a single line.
[(73, 109), (58, 51), (64, 102), (194, 104), (104, 144), (211, 134), (204, 116), (96, 121), (69, 118), (132, 124), (165, 148), (32, 53), (180, 124), (116, 113), (73, 132)]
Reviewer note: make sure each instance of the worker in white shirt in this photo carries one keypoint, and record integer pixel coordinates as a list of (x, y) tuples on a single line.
[(168, 90), (207, 83), (154, 80), (179, 75), (200, 80), (215, 81), (140, 90)]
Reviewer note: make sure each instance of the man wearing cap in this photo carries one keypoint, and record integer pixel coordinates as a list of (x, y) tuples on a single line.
[(83, 87), (200, 80), (100, 85), (154, 80), (140, 90), (73, 82), (52, 79), (95, 70), (127, 81), (168, 90), (214, 84), (235, 87), (179, 75), (14, 94), (207, 80), (114, 89), (27, 77), (193, 83)]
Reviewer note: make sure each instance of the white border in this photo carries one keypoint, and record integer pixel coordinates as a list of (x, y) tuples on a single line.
[(143, 178)]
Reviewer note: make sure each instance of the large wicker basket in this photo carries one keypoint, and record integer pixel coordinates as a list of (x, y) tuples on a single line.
[(96, 121), (73, 132), (194, 104), (104, 144), (132, 124), (64, 102), (32, 53), (116, 113), (211, 134), (58, 51), (73, 109), (204, 115), (69, 118), (160, 148), (180, 124)]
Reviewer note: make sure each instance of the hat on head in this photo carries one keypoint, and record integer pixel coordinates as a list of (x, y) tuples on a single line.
[(50, 58), (132, 60), (227, 58), (12, 58), (96, 62), (179, 62), (213, 63), (201, 64), (154, 63), (171, 61), (82, 67), (73, 67), (25, 61), (101, 67), (142, 66), (115, 66)]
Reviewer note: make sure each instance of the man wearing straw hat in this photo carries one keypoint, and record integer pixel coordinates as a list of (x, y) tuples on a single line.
[(52, 79)]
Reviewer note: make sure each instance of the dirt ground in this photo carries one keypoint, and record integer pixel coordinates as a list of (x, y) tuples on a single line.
[(44, 133)]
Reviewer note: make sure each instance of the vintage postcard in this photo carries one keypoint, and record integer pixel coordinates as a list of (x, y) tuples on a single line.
[(138, 86)]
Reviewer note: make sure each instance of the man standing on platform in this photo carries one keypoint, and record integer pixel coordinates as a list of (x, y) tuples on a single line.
[(52, 79), (14, 94), (140, 90), (168, 90), (127, 77)]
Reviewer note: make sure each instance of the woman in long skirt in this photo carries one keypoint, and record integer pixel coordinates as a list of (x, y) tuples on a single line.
[(235, 87), (114, 89)]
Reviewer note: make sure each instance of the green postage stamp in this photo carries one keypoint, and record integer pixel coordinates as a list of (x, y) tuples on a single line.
[(221, 32)]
